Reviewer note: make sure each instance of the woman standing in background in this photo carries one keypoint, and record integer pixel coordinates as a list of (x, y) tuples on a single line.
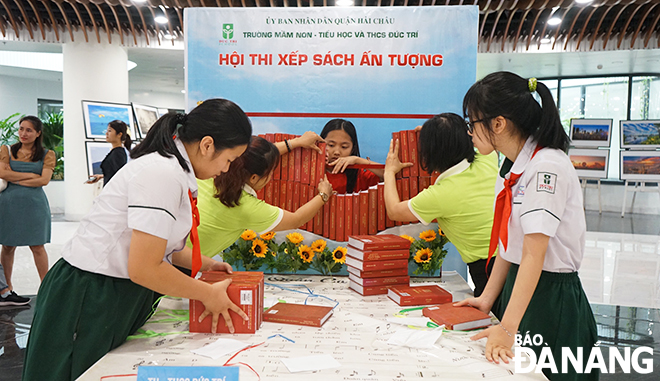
[(117, 135)]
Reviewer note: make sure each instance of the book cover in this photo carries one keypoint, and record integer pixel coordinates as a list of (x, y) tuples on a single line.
[(412, 153), (356, 213), (298, 165), (419, 295), (377, 273), (341, 218), (367, 291), (404, 152), (384, 281), (377, 255), (332, 234), (305, 165), (378, 242), (457, 318), (298, 314), (382, 213), (373, 210), (348, 219), (295, 200), (376, 265), (364, 212), (290, 186)]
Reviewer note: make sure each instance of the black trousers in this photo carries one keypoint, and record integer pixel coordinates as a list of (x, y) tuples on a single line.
[(479, 275)]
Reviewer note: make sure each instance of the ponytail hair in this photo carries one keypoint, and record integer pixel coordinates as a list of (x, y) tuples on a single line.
[(260, 158), (349, 128), (38, 151), (121, 128), (220, 119), (511, 96)]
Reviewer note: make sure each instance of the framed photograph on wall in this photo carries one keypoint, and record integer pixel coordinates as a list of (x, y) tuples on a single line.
[(591, 132), (145, 117), (97, 115), (590, 163), (640, 134), (640, 166), (96, 152)]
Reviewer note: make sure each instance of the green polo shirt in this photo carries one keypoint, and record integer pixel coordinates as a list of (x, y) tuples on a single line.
[(221, 226), (462, 201)]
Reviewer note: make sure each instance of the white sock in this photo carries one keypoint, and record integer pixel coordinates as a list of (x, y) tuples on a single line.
[(6, 294)]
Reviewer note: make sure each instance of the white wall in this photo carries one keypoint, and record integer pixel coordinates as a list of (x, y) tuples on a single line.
[(156, 99), (21, 94)]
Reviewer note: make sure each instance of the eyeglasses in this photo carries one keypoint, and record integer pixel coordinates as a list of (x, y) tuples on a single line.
[(470, 125)]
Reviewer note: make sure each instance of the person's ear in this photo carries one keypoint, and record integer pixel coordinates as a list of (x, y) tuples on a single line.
[(498, 124), (206, 145)]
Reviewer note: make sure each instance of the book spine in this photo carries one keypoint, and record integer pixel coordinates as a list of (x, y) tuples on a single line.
[(305, 165), (385, 281), (348, 218), (356, 213), (326, 218), (268, 197), (276, 173), (298, 165), (289, 195), (397, 136), (405, 153), (313, 173), (414, 186), (419, 162), (373, 210), (295, 200), (377, 273), (381, 207), (412, 145), (399, 190), (320, 163), (405, 193), (333, 218), (291, 176), (424, 182), (283, 189), (341, 217), (276, 193), (364, 212), (261, 194), (318, 222), (386, 255), (296, 321)]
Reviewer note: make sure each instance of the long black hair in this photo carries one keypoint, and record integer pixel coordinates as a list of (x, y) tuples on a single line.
[(444, 142), (220, 119), (349, 128), (509, 95), (260, 158), (38, 151), (121, 128)]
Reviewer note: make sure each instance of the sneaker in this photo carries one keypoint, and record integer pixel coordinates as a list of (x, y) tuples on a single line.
[(13, 300)]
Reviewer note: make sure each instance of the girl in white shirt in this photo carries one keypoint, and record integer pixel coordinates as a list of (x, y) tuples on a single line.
[(541, 242), (101, 291)]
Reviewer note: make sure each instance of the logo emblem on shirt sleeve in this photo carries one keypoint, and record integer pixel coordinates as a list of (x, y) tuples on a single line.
[(546, 182)]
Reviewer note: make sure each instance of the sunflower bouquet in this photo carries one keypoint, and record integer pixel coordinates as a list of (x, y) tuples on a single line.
[(325, 261), (251, 251), (427, 252), (292, 255)]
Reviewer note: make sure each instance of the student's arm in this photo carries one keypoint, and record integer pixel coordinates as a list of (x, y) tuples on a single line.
[(493, 288), (183, 259), (147, 268), (306, 212), (397, 210), (340, 165), (46, 172), (500, 341), (307, 140)]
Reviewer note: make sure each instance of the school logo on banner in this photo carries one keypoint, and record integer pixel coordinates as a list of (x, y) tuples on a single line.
[(227, 31), (546, 182)]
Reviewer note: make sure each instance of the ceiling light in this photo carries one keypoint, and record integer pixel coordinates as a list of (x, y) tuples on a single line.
[(344, 3), (583, 1), (169, 37), (183, 91), (546, 40), (160, 19), (554, 21), (39, 61)]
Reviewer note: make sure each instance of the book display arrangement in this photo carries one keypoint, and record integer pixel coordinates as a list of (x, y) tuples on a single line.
[(405, 295), (457, 318), (246, 291), (376, 262), (298, 314)]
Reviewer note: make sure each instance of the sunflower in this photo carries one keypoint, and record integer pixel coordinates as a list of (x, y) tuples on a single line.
[(442, 234), (339, 255), (423, 256), (248, 235), (259, 248), (409, 238), (428, 235), (318, 245), (267, 236), (294, 238), (305, 253)]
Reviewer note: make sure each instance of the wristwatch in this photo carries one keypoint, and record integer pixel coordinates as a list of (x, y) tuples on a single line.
[(324, 196)]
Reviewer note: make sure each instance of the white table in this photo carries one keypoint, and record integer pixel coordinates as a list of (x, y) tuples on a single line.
[(356, 336)]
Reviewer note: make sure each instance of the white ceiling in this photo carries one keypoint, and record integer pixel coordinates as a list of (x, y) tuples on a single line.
[(162, 70)]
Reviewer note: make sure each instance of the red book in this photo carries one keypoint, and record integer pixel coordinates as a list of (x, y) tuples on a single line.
[(356, 213), (313, 173), (364, 212), (413, 156), (380, 225), (261, 194), (419, 295), (268, 197), (284, 164), (246, 291), (320, 163), (292, 163), (318, 222), (326, 218), (373, 210), (283, 194), (290, 188), (424, 182), (276, 173), (414, 186), (385, 281), (434, 177), (377, 273), (376, 265), (341, 218), (298, 165), (270, 137), (367, 291), (298, 314), (399, 191), (397, 136), (377, 255), (404, 152), (332, 234), (305, 165), (378, 242), (276, 193), (311, 193), (457, 318), (348, 218), (405, 193), (419, 162), (295, 200)]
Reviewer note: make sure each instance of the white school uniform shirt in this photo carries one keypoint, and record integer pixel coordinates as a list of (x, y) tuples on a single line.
[(547, 199), (149, 194)]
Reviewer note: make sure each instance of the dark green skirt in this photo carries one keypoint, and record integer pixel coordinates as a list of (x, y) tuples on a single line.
[(79, 317), (558, 311)]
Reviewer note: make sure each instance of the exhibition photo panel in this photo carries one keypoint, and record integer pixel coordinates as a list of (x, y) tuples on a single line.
[(590, 163), (97, 115), (145, 117), (591, 132), (640, 134), (640, 166), (96, 152)]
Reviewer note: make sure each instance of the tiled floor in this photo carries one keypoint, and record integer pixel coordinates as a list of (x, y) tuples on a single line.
[(620, 273)]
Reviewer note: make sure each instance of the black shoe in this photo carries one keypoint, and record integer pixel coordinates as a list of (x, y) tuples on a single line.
[(13, 300)]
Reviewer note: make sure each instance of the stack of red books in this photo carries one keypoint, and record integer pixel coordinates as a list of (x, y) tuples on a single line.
[(246, 290), (376, 262)]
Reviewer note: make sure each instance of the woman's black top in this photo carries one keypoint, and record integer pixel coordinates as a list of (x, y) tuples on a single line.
[(112, 163)]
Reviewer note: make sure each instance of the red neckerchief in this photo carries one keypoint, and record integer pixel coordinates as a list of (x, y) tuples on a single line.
[(194, 237)]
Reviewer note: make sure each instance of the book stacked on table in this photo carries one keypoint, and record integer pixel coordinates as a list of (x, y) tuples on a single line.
[(298, 314), (246, 291), (405, 295), (457, 318), (376, 262)]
